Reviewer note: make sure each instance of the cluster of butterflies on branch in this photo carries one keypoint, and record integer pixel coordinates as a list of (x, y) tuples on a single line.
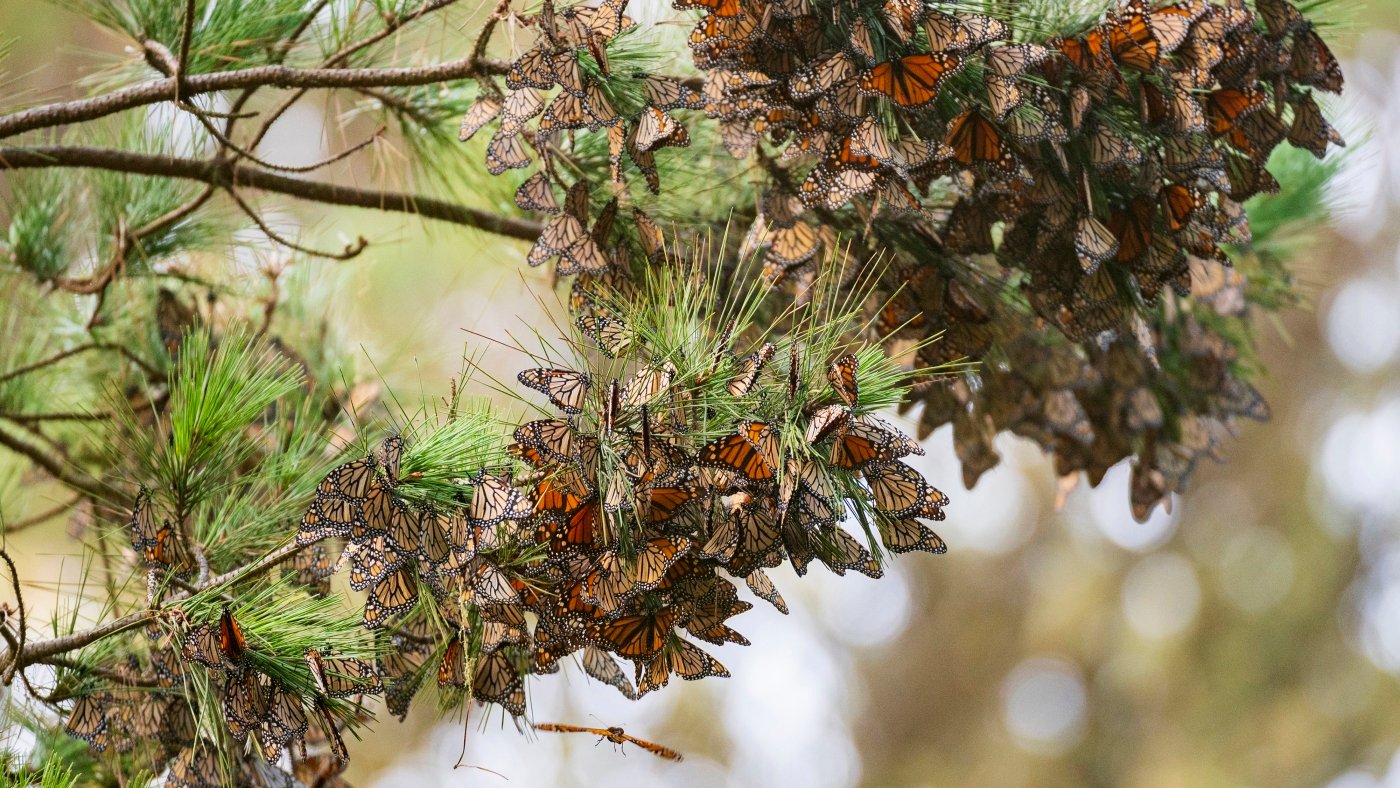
[(619, 530), (152, 715), (1000, 173)]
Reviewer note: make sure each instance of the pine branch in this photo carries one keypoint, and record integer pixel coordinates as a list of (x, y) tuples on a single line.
[(46, 650), (63, 113), (225, 174)]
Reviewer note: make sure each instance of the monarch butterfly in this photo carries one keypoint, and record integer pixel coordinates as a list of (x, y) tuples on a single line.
[(611, 335), (899, 491), (566, 111), (658, 129), (506, 152), (1131, 39), (752, 452), (452, 670), (1011, 60), (1226, 107), (285, 721), (157, 544), (1248, 178), (193, 767), (648, 384), (494, 500), (911, 81), (372, 561), (615, 735), (491, 585), (683, 659), (842, 377), (961, 32), (88, 720), (669, 93), (974, 140), (762, 587), (601, 666), (1280, 17), (495, 680), (246, 696), (1312, 63), (566, 237), (395, 594), (482, 112), (859, 40), (809, 81), (1093, 243), (749, 369), (520, 106), (565, 388), (1003, 95), (231, 641), (634, 637), (1310, 130), (536, 194), (1107, 148), (1087, 54), (575, 528), (342, 677), (603, 21), (653, 242), (907, 535), (825, 421), (534, 69), (1132, 226), (544, 442)]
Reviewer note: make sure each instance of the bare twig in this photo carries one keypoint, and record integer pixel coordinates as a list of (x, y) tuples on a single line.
[(186, 36), (225, 174), (45, 650), (25, 418), (21, 627), (391, 26), (41, 517), (65, 112), (73, 477), (57, 357), (351, 250)]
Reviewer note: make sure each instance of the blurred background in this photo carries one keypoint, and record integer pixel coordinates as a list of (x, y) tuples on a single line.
[(1250, 637)]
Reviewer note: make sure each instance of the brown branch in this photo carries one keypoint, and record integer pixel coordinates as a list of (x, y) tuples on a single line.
[(18, 648), (228, 174), (351, 250), (391, 25), (41, 517), (57, 357), (45, 650), (35, 417), (182, 66), (73, 477), (65, 112)]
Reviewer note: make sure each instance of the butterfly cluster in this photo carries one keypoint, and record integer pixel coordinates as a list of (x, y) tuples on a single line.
[(632, 110), (1096, 171), (161, 721)]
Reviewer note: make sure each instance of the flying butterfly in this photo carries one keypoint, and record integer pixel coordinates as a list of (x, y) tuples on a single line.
[(615, 735)]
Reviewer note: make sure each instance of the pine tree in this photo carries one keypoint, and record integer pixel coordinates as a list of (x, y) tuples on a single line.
[(1043, 218)]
